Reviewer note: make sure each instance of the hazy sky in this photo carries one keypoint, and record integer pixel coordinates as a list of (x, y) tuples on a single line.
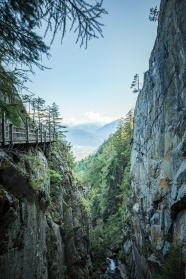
[(94, 83)]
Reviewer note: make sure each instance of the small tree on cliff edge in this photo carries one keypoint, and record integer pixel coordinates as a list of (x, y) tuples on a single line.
[(21, 48), (136, 85), (154, 13)]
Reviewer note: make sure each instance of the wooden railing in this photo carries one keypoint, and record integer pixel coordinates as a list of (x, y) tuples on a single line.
[(26, 133)]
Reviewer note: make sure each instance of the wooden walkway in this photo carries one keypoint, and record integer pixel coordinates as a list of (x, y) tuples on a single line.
[(28, 133)]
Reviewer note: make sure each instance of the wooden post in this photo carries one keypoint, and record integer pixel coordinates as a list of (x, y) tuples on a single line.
[(3, 129), (50, 134), (45, 135), (41, 129), (27, 130), (11, 133), (37, 136)]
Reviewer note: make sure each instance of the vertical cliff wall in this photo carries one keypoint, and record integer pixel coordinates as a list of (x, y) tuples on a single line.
[(158, 154), (44, 228)]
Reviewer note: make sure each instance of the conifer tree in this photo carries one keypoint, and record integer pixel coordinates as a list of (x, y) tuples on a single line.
[(107, 172), (154, 13), (27, 99), (10, 101), (55, 118), (136, 84), (39, 105), (21, 47), (33, 105)]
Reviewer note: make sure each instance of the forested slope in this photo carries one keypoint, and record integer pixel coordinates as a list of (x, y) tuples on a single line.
[(106, 175)]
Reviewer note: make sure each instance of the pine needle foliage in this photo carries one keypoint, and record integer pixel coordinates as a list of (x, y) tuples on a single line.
[(172, 267), (21, 48), (136, 85), (154, 13), (107, 177), (10, 102)]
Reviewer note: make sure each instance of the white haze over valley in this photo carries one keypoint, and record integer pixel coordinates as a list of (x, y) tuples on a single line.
[(89, 117), (87, 133)]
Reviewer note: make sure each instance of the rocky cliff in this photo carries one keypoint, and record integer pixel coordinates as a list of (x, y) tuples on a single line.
[(158, 204), (44, 229)]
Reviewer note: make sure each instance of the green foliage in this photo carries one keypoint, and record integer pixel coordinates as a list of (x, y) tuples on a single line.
[(38, 181), (21, 48), (171, 269), (53, 176), (55, 180), (107, 176), (121, 255), (154, 13), (55, 119), (39, 107), (63, 148), (10, 102), (46, 117), (63, 272), (136, 85), (84, 203), (35, 166)]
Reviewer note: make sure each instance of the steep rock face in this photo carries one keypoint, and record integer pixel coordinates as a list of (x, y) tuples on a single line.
[(67, 216), (43, 227), (22, 221), (158, 155)]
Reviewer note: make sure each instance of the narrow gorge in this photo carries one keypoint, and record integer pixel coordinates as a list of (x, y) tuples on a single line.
[(121, 213)]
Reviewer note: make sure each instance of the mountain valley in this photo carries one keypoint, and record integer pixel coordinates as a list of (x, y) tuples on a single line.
[(86, 138)]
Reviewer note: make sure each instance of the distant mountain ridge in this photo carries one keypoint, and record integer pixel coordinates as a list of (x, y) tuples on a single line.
[(80, 137), (108, 129), (89, 136)]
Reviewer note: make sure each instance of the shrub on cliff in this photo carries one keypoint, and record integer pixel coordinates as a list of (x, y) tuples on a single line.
[(172, 267)]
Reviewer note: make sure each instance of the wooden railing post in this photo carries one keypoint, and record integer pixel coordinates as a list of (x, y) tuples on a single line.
[(50, 134), (27, 130), (45, 133), (41, 129), (37, 136), (3, 129), (11, 133)]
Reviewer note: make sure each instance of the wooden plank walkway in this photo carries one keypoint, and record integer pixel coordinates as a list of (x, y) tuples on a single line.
[(27, 133)]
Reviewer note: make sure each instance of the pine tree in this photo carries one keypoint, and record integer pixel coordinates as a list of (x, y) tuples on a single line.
[(55, 118), (107, 172), (10, 101), (136, 84), (21, 47), (39, 105), (154, 13), (27, 99)]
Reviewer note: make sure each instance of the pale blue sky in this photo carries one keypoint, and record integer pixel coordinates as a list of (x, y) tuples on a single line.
[(98, 79)]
